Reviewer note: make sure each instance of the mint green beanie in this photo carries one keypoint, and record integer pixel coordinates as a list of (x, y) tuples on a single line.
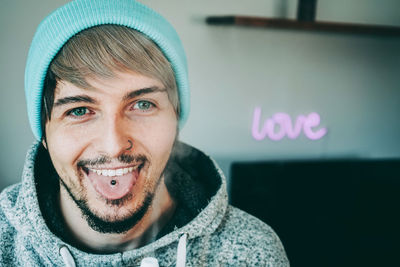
[(57, 28)]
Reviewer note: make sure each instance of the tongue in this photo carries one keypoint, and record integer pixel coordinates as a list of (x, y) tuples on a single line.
[(114, 187)]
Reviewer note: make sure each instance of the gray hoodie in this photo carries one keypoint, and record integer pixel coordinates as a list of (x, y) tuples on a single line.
[(206, 230)]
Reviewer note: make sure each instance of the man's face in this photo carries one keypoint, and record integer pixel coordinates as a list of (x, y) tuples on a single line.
[(89, 138)]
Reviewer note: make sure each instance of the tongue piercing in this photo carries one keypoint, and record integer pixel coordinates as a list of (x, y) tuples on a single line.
[(113, 182)]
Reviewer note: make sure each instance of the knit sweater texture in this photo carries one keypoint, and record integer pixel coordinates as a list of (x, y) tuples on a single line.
[(32, 232)]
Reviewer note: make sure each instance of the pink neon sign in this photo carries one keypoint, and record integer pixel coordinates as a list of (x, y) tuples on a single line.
[(305, 123)]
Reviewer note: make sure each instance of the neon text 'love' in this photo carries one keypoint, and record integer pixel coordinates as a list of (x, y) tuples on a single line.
[(305, 123)]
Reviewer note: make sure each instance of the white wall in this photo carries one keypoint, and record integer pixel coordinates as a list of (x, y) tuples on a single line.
[(350, 80)]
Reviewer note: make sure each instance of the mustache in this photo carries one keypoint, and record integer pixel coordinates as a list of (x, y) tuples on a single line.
[(104, 159)]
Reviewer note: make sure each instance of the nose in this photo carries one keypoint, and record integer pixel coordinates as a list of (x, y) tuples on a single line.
[(114, 136)]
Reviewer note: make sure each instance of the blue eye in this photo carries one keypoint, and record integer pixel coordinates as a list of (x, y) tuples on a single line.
[(78, 112), (143, 105)]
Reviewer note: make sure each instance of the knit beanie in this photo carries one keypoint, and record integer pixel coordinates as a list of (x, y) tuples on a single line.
[(57, 28)]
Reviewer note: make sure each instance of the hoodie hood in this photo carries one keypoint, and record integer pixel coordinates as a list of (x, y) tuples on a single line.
[(21, 208)]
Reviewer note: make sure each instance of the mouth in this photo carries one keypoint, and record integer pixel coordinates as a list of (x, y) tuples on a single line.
[(113, 183)]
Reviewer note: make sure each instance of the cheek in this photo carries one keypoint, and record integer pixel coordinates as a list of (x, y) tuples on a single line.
[(161, 138), (64, 148)]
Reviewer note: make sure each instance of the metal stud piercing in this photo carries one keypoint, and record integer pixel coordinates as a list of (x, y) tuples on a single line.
[(113, 182), (131, 145)]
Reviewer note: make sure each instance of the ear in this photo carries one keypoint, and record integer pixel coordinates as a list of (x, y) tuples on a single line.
[(44, 143)]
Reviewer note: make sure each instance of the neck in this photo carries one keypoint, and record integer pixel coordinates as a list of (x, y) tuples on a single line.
[(144, 232)]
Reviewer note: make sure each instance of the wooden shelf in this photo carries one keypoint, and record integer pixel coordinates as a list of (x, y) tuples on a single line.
[(304, 25)]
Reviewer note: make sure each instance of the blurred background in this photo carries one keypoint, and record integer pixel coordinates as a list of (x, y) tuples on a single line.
[(351, 80)]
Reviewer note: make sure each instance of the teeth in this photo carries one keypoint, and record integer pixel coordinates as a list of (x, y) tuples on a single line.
[(114, 172), (111, 172)]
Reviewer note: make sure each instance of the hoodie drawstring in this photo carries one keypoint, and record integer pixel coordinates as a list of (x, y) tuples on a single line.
[(149, 262), (181, 253), (67, 257)]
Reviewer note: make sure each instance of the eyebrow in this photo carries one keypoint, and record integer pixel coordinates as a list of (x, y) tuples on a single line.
[(88, 99), (143, 91), (74, 99)]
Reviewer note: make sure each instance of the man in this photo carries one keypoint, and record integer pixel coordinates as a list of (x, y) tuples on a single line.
[(108, 183)]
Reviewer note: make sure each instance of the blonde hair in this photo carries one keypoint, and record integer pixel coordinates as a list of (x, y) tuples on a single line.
[(100, 52)]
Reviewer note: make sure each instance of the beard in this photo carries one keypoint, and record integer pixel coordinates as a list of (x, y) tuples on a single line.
[(111, 224)]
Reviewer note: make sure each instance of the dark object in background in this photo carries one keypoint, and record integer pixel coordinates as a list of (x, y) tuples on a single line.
[(306, 10), (327, 213)]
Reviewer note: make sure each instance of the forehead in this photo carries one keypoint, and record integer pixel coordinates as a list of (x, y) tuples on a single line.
[(118, 85)]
